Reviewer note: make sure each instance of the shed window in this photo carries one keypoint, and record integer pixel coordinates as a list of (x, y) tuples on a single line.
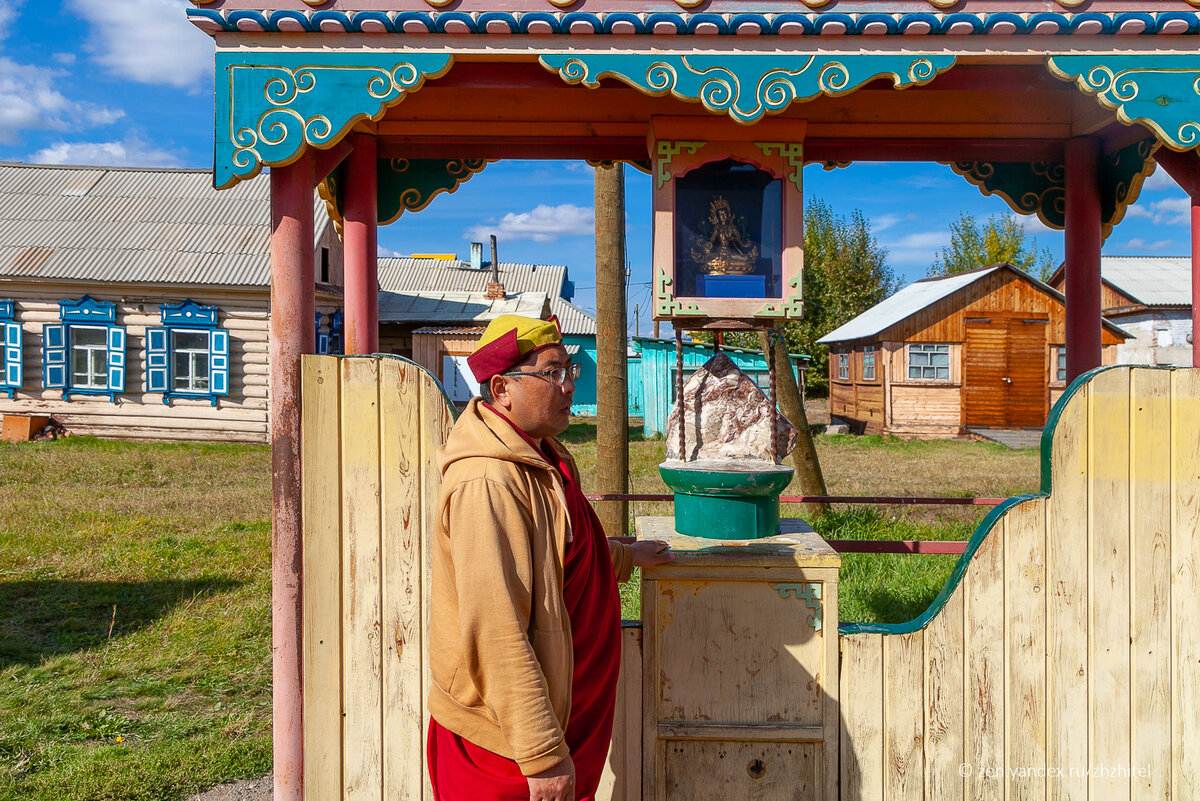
[(85, 353), (189, 356), (868, 367), (10, 350), (1060, 364), (929, 362), (843, 362)]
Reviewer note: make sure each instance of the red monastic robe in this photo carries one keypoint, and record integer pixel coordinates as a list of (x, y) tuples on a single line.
[(462, 771)]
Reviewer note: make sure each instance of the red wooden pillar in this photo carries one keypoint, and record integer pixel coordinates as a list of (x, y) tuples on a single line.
[(361, 227), (1082, 256), (292, 308), (1195, 193)]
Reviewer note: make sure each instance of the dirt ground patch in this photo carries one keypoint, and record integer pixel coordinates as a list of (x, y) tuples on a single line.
[(259, 789)]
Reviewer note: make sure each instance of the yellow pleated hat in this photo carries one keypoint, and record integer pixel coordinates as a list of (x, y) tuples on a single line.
[(508, 339)]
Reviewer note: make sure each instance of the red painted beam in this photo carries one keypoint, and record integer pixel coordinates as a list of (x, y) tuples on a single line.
[(1083, 240), (898, 546), (361, 239), (326, 161), (851, 499), (292, 309), (1196, 267)]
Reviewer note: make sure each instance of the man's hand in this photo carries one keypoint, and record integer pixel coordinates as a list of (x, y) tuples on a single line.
[(651, 552), (554, 784)]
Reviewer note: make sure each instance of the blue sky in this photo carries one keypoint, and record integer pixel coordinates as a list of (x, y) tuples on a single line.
[(81, 85)]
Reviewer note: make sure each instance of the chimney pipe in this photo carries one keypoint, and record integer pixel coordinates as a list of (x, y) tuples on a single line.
[(495, 289)]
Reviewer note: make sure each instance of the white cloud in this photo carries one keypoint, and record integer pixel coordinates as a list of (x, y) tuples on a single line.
[(8, 13), (883, 222), (917, 249), (29, 100), (1161, 179), (386, 252), (1169, 211), (64, 58), (543, 224), (1031, 224), (1150, 247), (151, 41), (130, 152)]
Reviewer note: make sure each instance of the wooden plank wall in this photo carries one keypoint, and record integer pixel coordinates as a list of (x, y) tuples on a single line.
[(239, 416), (372, 427), (1066, 663)]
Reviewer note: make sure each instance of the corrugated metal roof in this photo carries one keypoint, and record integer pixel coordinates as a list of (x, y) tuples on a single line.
[(135, 225), (431, 275), (455, 308), (1152, 280), (903, 304)]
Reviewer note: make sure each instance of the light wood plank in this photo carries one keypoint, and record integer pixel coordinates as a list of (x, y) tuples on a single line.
[(1066, 614), (944, 701), (861, 753), (400, 468), (1150, 510), (321, 543), (622, 776), (984, 686), (904, 722), (362, 626), (1025, 651), (1108, 595), (435, 427), (1185, 576)]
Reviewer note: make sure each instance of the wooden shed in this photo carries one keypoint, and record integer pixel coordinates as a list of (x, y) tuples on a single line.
[(980, 349)]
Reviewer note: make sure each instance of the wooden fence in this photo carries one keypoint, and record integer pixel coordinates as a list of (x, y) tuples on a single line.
[(1062, 661)]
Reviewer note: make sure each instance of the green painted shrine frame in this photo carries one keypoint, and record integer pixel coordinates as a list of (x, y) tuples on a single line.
[(1060, 108)]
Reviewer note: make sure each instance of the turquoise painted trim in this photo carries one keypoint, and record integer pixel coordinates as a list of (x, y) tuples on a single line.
[(438, 384), (1160, 91), (677, 23), (271, 105), (989, 521), (744, 85)]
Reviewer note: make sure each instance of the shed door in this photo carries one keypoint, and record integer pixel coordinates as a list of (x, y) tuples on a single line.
[(1004, 373)]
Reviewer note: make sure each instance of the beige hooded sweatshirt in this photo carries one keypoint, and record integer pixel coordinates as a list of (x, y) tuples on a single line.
[(499, 637)]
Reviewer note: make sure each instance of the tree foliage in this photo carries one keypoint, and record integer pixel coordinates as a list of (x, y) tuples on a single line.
[(999, 239)]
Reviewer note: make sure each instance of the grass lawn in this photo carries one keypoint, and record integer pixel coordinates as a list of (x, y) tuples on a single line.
[(135, 595)]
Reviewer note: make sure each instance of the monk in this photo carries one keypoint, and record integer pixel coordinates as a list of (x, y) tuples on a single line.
[(525, 629)]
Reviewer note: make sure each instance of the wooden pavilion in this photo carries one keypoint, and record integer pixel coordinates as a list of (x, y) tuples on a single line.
[(1059, 107)]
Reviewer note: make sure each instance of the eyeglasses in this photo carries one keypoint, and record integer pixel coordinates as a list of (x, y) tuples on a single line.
[(557, 375)]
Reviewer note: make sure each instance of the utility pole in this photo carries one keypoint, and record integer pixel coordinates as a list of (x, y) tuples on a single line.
[(637, 330), (808, 476), (612, 399)]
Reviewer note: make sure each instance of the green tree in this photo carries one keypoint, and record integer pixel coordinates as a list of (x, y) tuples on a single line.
[(1000, 239), (845, 273)]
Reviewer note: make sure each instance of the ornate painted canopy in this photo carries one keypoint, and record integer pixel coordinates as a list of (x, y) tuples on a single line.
[(992, 89)]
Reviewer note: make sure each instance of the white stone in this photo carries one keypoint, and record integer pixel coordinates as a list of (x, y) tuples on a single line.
[(733, 421)]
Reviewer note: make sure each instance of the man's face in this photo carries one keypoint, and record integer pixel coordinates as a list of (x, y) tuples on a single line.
[(534, 403)]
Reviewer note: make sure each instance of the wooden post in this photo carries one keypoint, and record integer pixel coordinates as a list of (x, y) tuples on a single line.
[(809, 479), (1083, 241), (612, 399), (293, 301), (361, 231)]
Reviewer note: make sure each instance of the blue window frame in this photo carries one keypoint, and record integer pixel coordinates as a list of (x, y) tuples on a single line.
[(85, 353), (11, 356), (330, 343), (188, 357)]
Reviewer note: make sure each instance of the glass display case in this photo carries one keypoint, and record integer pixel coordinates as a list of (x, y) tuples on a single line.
[(728, 234)]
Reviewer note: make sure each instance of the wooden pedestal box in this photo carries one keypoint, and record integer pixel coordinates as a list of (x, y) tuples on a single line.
[(740, 667)]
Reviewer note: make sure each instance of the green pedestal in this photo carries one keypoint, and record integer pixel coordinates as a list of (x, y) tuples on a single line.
[(726, 504)]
